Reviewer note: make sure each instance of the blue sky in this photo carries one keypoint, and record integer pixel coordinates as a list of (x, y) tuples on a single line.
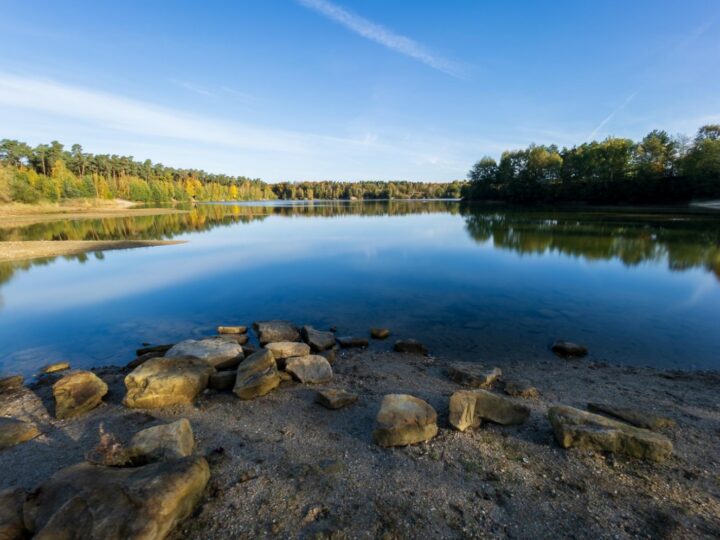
[(347, 90)]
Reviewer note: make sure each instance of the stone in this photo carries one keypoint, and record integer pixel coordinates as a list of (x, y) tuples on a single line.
[(313, 369), (257, 375), (272, 331), (12, 526), (468, 408), (14, 431), (91, 501), (330, 355), (379, 333), (232, 329), (161, 382), (218, 352), (167, 441), (473, 375), (140, 360), (77, 393), (222, 380), (55, 367), (331, 398), (285, 376), (240, 339), (568, 349), (521, 388), (348, 342), (575, 428), (112, 453), (318, 339), (641, 419), (11, 382), (410, 346), (249, 349), (403, 420), (282, 350), (160, 349)]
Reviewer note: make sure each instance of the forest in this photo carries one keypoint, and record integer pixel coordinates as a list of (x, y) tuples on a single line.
[(658, 169)]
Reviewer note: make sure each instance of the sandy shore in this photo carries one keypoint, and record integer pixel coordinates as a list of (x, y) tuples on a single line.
[(283, 466), (16, 251)]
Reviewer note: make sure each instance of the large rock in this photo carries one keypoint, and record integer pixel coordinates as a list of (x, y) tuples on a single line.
[(257, 375), (174, 440), (313, 369), (12, 526), (473, 375), (222, 380), (468, 408), (91, 501), (582, 429), (271, 331), (240, 339), (349, 342), (11, 383), (218, 352), (161, 382), (282, 350), (331, 398), (568, 349), (411, 346), (404, 420), (77, 393), (318, 339), (632, 416), (521, 388), (14, 431)]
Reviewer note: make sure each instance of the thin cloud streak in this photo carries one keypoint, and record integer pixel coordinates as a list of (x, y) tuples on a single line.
[(611, 115)]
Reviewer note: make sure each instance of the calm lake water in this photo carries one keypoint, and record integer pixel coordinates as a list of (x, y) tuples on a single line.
[(475, 283)]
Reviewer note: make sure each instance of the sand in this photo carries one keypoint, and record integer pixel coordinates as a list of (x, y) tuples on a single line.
[(16, 251)]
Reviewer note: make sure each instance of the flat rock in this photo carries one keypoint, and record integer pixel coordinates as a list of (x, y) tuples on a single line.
[(272, 331), (348, 342), (468, 408), (240, 339), (222, 380), (91, 501), (403, 420), (232, 329), (379, 333), (318, 340), (313, 369), (167, 441), (282, 350), (473, 375), (412, 346), (521, 388), (335, 399), (160, 349), (14, 431), (161, 382), (11, 382), (77, 393), (12, 526), (55, 367), (257, 375), (632, 416), (218, 352), (568, 349), (581, 429)]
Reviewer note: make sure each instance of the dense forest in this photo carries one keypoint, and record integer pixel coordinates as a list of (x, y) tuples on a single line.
[(658, 169), (49, 172)]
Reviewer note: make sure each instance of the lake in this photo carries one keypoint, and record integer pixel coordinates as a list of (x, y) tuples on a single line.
[(638, 287)]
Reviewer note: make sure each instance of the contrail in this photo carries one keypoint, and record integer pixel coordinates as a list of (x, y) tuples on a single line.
[(611, 115)]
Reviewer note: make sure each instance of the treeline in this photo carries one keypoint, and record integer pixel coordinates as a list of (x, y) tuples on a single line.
[(367, 190), (658, 169)]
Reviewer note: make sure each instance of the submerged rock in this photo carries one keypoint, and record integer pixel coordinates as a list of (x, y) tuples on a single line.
[(218, 352), (257, 375), (78, 393), (635, 417), (468, 408), (12, 526), (379, 333), (313, 369), (161, 382), (348, 342), (271, 331), (335, 399), (222, 380), (317, 339), (568, 349), (232, 329), (589, 431), (521, 388), (403, 420), (14, 431), (11, 382), (473, 375), (174, 440), (411, 346), (55, 367)]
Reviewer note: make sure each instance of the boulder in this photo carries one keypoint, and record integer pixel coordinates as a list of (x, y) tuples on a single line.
[(272, 331), (232, 329), (55, 367), (77, 393), (10, 383), (282, 350), (240, 339), (222, 380), (14, 431), (589, 431), (313, 369), (473, 375), (330, 355), (568, 349), (218, 352), (468, 408), (404, 420), (331, 398), (91, 501), (635, 417), (12, 526), (257, 375), (161, 382), (379, 333), (410, 346), (318, 339), (167, 441), (521, 388), (348, 342), (160, 349)]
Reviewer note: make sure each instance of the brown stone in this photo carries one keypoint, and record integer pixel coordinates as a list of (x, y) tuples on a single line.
[(219, 352), (166, 441), (335, 399), (473, 375), (161, 382), (348, 342), (232, 329), (521, 388), (257, 375), (635, 417), (379, 333), (313, 369), (403, 420), (12, 526), (222, 380), (14, 431), (10, 383), (55, 367), (273, 331), (318, 340), (468, 408), (77, 393)]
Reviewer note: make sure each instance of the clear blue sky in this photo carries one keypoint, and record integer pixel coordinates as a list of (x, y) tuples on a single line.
[(313, 89)]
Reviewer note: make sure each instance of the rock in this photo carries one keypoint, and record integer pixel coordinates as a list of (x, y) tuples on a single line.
[(335, 399), (222, 380), (54, 368), (521, 388), (568, 349), (168, 441), (282, 350), (285, 376), (77, 393), (232, 329), (581, 429), (112, 453), (240, 339), (635, 417), (10, 383), (348, 342), (257, 375), (272, 331), (330, 355), (14, 431), (140, 360), (313, 369), (379, 333), (468, 408), (12, 526), (248, 349), (317, 339), (473, 375), (161, 382), (218, 352), (91, 501), (160, 349), (410, 346), (404, 420)]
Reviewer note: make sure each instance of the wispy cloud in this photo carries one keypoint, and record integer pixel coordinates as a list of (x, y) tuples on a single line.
[(192, 87), (611, 115), (384, 36)]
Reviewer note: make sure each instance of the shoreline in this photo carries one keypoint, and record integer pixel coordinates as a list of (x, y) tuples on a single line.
[(13, 251)]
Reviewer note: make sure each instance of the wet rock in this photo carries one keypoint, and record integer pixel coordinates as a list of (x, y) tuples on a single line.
[(348, 342), (410, 346), (12, 526), (468, 408), (168, 441), (240, 339), (140, 360), (589, 431), (222, 380), (55, 367), (161, 382), (318, 339), (232, 329), (568, 349), (218, 352), (335, 399), (379, 333), (272, 331), (330, 355), (473, 375), (10, 383), (14, 431), (91, 501), (521, 388), (313, 369), (77, 393), (403, 420), (160, 349), (257, 375), (282, 350), (635, 417), (248, 349)]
